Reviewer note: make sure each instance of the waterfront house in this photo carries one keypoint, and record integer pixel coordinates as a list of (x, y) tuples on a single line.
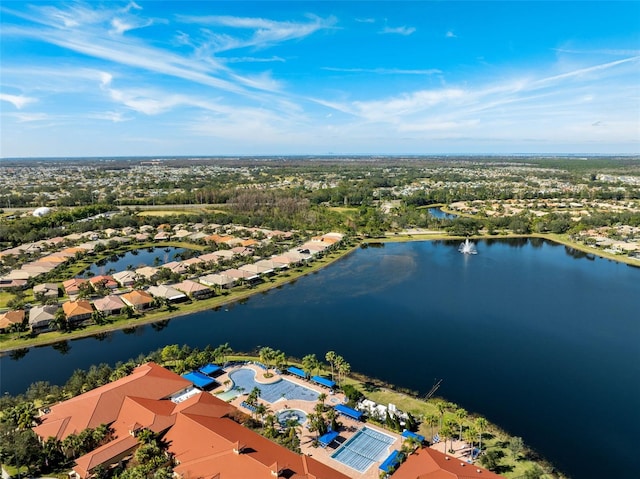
[(107, 281), (109, 305), (41, 316), (77, 311), (167, 292), (10, 319), (125, 278), (194, 289), (138, 300), (221, 280)]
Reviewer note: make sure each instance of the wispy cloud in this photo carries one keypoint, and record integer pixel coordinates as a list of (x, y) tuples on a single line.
[(265, 32), (253, 59), (366, 20), (603, 51), (17, 101), (450, 34), (403, 30), (385, 71)]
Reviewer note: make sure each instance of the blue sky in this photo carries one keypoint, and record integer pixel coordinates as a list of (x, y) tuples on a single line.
[(367, 77)]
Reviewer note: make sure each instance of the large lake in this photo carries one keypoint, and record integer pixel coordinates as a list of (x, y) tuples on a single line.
[(542, 340)]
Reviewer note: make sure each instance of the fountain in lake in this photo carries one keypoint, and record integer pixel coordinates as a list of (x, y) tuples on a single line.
[(468, 247)]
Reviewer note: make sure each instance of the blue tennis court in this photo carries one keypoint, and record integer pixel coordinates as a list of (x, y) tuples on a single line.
[(245, 378), (363, 449)]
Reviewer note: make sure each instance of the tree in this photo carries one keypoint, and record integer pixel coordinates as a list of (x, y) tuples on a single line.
[(309, 363), (344, 368), (431, 420), (446, 432), (442, 408), (481, 425), (491, 459), (470, 435), (59, 320), (98, 317), (516, 446), (461, 414), (534, 472), (260, 411), (331, 359), (253, 396)]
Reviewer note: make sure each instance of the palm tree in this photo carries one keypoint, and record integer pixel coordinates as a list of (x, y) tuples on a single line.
[(431, 420), (98, 317), (344, 368), (442, 408), (461, 414), (260, 411), (60, 320), (447, 433), (470, 436), (309, 363), (481, 424), (331, 358)]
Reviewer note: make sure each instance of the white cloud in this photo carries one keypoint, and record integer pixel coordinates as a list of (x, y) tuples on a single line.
[(403, 30), (450, 34), (253, 59), (366, 20), (17, 101), (113, 116), (265, 32), (385, 71)]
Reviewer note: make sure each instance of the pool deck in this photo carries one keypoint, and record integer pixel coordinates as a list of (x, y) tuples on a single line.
[(350, 426)]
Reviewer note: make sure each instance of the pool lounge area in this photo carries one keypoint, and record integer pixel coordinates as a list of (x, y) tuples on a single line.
[(244, 381)]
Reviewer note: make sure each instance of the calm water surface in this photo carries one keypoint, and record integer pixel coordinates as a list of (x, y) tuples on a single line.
[(543, 341), (136, 259)]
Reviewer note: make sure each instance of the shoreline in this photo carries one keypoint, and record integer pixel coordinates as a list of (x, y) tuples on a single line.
[(198, 306), (433, 235)]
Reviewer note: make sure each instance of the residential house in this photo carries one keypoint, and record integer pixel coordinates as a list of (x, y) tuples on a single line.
[(125, 278), (221, 280), (147, 272), (175, 267), (167, 292), (138, 300), (109, 305), (77, 311), (47, 290), (73, 286), (41, 316), (193, 289), (107, 281), (11, 318)]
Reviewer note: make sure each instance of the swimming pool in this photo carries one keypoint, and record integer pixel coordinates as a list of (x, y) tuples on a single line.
[(287, 415), (363, 449), (244, 378)]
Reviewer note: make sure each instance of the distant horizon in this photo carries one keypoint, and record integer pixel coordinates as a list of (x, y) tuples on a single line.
[(269, 78), (328, 156)]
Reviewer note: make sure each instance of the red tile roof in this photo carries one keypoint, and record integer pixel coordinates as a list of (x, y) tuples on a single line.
[(428, 463), (102, 405), (205, 442)]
